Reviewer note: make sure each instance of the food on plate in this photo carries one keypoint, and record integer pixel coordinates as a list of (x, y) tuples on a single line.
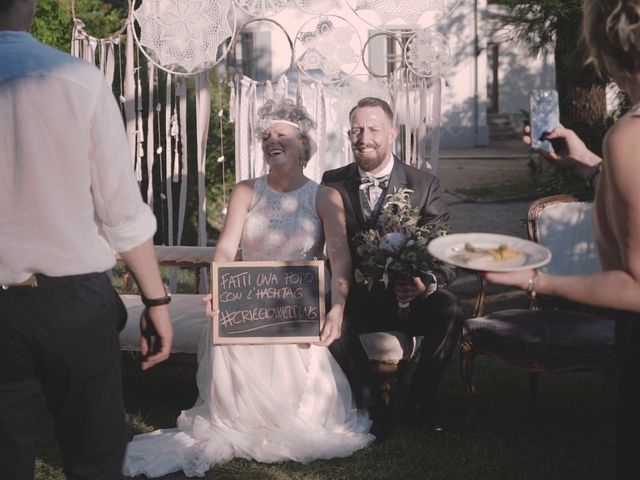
[(478, 256), (502, 252)]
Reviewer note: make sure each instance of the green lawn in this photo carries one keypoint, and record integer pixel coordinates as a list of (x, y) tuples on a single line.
[(567, 436)]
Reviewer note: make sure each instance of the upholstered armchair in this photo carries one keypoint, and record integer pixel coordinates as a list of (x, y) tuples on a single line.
[(549, 336)]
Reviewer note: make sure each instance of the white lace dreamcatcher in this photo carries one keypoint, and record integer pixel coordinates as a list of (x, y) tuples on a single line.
[(327, 48), (102, 52), (184, 36), (428, 59), (317, 7), (261, 8), (427, 54), (346, 94), (379, 65), (406, 14)]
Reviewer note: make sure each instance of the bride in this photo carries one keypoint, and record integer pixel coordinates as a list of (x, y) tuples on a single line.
[(269, 403)]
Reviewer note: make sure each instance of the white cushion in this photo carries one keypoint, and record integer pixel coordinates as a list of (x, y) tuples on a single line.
[(187, 316), (388, 346), (565, 229), (184, 254), (188, 319)]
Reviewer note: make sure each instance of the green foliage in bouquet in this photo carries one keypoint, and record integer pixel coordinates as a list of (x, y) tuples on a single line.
[(397, 247)]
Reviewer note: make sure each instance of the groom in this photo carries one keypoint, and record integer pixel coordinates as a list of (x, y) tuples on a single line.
[(434, 312)]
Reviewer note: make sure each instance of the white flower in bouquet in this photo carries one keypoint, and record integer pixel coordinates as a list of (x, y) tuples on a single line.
[(397, 247)]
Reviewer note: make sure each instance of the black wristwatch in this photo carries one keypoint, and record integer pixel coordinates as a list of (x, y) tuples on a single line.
[(155, 302)]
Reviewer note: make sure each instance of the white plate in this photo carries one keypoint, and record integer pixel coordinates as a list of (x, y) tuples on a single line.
[(451, 249)]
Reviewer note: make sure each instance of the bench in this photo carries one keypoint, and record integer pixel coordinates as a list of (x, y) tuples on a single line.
[(388, 351)]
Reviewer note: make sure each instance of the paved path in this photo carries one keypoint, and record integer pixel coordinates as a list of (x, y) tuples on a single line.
[(508, 218), (502, 163)]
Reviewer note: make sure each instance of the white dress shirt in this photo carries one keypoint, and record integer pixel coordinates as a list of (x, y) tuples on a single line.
[(68, 196), (373, 194)]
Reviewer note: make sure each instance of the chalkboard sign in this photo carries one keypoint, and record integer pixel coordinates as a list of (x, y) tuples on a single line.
[(268, 302)]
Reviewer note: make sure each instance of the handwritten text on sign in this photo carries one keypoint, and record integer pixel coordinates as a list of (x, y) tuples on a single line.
[(268, 302)]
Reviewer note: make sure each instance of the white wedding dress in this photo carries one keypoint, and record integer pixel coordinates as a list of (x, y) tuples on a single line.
[(268, 403)]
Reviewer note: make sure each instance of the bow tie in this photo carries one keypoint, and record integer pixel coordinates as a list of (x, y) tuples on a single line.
[(368, 181)]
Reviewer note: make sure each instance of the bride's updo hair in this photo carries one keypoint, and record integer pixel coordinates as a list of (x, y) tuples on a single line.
[(287, 110), (612, 32)]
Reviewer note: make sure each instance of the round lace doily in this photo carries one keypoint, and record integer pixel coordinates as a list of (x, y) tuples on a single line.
[(261, 8), (427, 54), (268, 25), (389, 15), (184, 37), (317, 7), (327, 48)]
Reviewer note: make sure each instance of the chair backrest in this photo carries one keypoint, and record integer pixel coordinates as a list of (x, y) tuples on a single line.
[(562, 223)]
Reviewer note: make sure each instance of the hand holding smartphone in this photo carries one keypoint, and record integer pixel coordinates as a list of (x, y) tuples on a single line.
[(544, 116)]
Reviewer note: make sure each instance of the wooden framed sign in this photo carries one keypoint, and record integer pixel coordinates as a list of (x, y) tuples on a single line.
[(268, 302)]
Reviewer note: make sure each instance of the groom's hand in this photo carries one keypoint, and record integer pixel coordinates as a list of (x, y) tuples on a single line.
[(408, 290)]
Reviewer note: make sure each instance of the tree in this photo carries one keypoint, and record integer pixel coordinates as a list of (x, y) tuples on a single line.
[(53, 22), (53, 25), (558, 23)]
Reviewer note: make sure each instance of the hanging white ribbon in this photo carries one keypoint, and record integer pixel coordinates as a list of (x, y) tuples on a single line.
[(76, 39), (90, 53), (282, 88), (407, 107), (436, 114), (233, 105), (150, 133), (108, 56), (245, 152), (139, 129), (169, 153), (421, 139), (182, 206), (320, 118), (203, 114), (130, 95), (268, 90)]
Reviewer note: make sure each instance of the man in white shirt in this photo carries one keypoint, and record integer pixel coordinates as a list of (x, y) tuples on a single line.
[(68, 200)]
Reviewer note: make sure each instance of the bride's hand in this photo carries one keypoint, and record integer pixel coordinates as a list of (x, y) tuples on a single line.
[(208, 306), (332, 328)]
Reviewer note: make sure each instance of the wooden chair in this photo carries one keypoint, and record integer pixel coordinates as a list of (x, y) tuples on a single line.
[(550, 336)]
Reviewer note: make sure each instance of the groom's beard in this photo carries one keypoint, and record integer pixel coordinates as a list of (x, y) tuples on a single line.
[(371, 158)]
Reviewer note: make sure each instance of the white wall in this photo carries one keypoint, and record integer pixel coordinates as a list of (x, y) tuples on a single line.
[(464, 94), (519, 71)]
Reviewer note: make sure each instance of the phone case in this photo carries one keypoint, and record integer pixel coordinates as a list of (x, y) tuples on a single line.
[(544, 117)]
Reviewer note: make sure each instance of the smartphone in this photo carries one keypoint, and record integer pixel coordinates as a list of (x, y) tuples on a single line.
[(544, 116)]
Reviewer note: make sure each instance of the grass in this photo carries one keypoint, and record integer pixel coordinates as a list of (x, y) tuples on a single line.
[(566, 436)]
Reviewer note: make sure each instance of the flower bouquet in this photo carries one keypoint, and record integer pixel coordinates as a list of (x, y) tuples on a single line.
[(396, 249)]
